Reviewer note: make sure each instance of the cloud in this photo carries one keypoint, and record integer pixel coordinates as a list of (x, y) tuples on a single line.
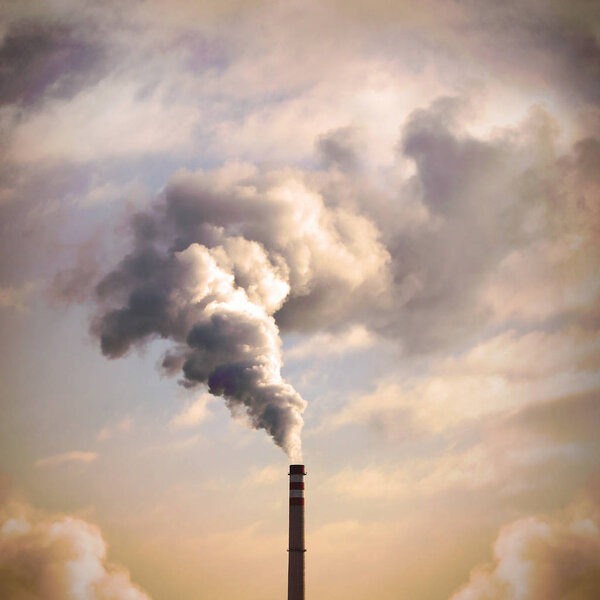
[(193, 413), (537, 451), (56, 557), (179, 445), (484, 467), (499, 376), (74, 284), (269, 475), (75, 457), (473, 246), (542, 557), (123, 426), (206, 85), (469, 187), (554, 273), (566, 419), (40, 60), (112, 119), (560, 42), (331, 344), (15, 297), (340, 148)]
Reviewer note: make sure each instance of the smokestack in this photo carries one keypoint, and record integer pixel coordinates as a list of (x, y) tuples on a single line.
[(296, 547)]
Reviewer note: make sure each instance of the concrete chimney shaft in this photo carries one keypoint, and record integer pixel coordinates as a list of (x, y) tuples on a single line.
[(296, 547)]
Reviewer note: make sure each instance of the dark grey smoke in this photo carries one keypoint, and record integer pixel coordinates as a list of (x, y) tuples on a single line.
[(225, 335)]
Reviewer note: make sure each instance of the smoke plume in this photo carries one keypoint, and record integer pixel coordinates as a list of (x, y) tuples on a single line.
[(225, 259), (211, 265), (225, 335)]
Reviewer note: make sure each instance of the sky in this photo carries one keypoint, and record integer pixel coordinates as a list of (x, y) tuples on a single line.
[(364, 236)]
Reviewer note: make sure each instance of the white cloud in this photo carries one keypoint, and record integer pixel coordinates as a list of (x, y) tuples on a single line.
[(57, 557), (542, 558)]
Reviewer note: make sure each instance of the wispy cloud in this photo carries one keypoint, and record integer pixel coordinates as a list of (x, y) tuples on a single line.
[(487, 465), (331, 344), (497, 376), (15, 297), (123, 426), (177, 445), (75, 457), (193, 413), (269, 475)]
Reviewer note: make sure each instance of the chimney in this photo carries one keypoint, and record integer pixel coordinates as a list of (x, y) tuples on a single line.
[(296, 547)]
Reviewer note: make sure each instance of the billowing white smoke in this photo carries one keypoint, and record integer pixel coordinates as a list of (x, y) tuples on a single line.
[(233, 343), (56, 558), (212, 265)]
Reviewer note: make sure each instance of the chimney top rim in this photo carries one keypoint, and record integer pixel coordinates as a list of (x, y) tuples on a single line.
[(297, 470)]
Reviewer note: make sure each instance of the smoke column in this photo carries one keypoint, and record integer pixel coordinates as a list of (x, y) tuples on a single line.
[(224, 334), (296, 547), (218, 264)]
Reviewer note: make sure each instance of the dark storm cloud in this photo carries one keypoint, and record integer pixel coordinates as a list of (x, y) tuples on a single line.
[(39, 60)]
